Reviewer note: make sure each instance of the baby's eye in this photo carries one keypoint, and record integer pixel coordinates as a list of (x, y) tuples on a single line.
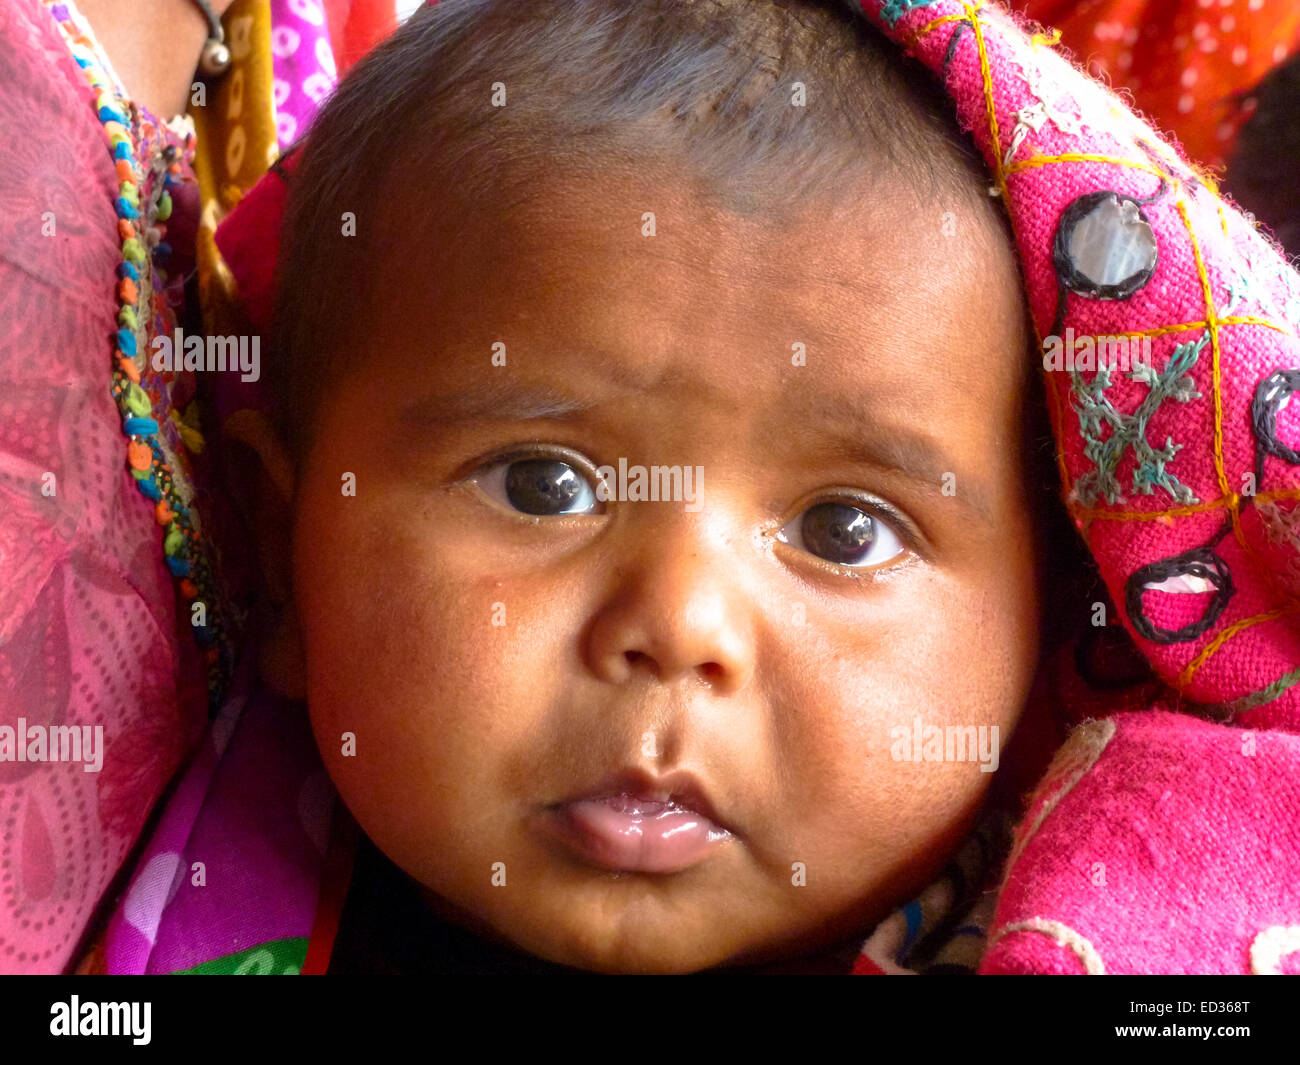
[(539, 486), (844, 534)]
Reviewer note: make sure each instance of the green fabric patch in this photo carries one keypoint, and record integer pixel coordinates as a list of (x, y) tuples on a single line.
[(278, 957)]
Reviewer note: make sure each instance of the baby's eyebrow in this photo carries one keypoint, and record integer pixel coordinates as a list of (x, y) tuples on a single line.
[(861, 430), (514, 400), (914, 456), (506, 399)]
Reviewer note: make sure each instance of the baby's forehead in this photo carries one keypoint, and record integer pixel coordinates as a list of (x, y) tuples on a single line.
[(647, 83), (879, 230), (872, 317)]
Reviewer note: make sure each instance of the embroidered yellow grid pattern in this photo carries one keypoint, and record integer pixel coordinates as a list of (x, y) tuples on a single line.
[(1211, 323), (1035, 161), (1102, 514)]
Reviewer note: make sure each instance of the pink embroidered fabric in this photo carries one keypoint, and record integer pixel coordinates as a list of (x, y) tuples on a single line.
[(88, 621)]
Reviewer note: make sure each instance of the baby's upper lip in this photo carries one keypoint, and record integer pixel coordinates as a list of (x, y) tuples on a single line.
[(682, 788)]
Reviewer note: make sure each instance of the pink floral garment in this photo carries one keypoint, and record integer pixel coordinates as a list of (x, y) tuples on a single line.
[(89, 629)]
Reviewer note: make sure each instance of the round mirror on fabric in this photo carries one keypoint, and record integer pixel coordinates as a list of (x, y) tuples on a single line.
[(1105, 248)]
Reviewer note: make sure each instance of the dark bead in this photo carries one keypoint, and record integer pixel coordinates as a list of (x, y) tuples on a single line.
[(1272, 395), (1200, 562)]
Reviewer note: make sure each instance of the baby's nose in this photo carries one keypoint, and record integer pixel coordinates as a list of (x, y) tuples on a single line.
[(676, 611)]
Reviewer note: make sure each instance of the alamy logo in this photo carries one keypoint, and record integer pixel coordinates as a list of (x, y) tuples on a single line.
[(1091, 353), (102, 1018), (947, 743), (194, 353), (650, 484), (53, 743)]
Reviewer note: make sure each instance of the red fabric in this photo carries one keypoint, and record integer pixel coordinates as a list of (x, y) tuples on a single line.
[(1189, 64), (247, 239), (356, 26)]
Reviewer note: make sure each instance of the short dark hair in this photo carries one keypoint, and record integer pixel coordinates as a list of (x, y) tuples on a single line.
[(709, 84)]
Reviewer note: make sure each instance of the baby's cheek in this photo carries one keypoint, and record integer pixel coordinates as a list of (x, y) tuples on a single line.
[(430, 660), (864, 782)]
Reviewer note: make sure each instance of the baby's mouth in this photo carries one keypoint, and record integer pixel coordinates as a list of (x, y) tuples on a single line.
[(637, 826)]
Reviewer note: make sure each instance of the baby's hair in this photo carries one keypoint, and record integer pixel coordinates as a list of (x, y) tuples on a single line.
[(705, 89)]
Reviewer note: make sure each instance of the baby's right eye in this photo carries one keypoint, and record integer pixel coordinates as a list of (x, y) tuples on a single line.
[(543, 486)]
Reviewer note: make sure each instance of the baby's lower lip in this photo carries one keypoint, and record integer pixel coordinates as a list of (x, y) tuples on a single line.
[(630, 834)]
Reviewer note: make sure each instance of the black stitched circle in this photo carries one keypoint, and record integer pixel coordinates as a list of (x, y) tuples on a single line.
[(1264, 409), (1071, 276), (1198, 562)]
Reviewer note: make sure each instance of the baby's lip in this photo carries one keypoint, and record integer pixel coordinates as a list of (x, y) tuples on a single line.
[(635, 822), (680, 790)]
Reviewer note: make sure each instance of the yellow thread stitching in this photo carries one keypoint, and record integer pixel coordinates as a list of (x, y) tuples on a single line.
[(1090, 513), (931, 26), (1190, 670), (989, 108), (1184, 327), (1213, 326), (1143, 515), (1081, 157)]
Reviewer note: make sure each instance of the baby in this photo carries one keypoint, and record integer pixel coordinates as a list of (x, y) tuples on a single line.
[(748, 253), (598, 678)]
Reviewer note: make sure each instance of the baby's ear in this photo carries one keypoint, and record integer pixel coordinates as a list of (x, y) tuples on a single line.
[(262, 481)]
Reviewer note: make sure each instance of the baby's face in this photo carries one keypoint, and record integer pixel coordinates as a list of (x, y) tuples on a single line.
[(855, 551)]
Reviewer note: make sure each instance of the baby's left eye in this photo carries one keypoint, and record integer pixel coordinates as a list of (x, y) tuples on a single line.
[(542, 487), (844, 534)]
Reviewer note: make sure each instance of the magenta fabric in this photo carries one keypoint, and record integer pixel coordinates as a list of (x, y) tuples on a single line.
[(302, 65), (1158, 842)]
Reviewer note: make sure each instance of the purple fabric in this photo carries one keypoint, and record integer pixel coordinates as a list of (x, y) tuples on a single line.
[(255, 808)]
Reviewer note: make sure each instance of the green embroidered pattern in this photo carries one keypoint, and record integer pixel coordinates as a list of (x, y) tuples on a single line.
[(893, 10), (1250, 284), (1227, 711), (278, 957), (1128, 431)]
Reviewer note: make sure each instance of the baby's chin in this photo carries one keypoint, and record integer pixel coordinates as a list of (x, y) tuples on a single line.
[(633, 923), (636, 939)]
